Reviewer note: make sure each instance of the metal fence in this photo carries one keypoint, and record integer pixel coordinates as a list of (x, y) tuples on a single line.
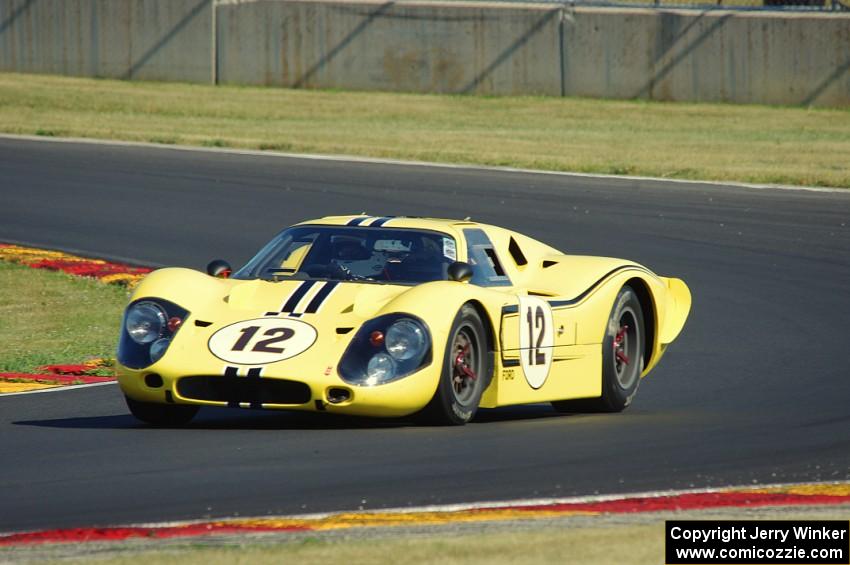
[(743, 5), (785, 5)]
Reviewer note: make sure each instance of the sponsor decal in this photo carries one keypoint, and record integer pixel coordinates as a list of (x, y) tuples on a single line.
[(449, 248)]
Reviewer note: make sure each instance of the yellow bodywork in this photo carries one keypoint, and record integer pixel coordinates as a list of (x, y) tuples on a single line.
[(580, 291)]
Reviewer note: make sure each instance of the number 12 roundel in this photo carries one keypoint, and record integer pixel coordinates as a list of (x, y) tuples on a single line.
[(262, 341), (536, 339)]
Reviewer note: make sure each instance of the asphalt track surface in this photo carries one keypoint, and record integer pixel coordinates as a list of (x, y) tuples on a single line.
[(756, 389)]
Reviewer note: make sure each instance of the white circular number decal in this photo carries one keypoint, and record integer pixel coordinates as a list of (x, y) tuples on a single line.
[(262, 341), (536, 339)]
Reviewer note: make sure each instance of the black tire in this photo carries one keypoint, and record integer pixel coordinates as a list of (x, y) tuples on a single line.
[(162, 415), (624, 334), (456, 399)]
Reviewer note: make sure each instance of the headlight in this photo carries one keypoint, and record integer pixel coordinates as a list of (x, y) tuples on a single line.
[(405, 340), (381, 368), (148, 329), (386, 349), (145, 322), (158, 348)]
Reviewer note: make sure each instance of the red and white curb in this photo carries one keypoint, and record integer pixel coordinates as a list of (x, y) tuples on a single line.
[(786, 495)]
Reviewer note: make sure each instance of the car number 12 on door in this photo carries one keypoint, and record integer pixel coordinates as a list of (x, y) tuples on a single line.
[(536, 339)]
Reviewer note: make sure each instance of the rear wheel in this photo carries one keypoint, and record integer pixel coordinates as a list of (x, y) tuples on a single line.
[(467, 368), (622, 358), (161, 415)]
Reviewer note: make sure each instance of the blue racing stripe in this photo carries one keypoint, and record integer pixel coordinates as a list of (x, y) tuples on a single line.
[(254, 391), (320, 297), (232, 372), (380, 221), (297, 296)]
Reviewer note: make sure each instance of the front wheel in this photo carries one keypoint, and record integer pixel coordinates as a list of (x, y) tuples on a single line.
[(622, 358), (161, 415), (467, 369)]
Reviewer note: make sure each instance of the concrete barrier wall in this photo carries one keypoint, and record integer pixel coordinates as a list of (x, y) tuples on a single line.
[(129, 39), (771, 58), (448, 47), (774, 58), (418, 47)]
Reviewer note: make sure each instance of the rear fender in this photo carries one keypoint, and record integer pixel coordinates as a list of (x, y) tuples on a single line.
[(677, 307)]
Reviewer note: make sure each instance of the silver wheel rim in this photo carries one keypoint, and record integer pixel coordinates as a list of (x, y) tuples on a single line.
[(466, 365), (626, 353)]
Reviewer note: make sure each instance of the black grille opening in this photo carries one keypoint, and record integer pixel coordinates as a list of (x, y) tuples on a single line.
[(243, 389)]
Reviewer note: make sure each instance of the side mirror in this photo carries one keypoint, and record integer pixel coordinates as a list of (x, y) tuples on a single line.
[(460, 271), (219, 268)]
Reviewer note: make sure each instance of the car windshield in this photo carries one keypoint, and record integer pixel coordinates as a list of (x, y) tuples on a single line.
[(378, 254)]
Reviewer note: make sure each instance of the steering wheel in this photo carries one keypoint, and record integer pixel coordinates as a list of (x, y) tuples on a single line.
[(349, 276)]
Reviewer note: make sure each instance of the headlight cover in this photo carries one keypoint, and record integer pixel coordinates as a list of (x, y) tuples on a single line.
[(145, 322), (405, 339), (158, 349), (148, 328), (386, 349)]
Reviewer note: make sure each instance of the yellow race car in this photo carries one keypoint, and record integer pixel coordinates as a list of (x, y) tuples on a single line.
[(393, 316)]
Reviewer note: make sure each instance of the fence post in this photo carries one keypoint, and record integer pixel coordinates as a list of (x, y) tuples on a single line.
[(214, 42), (561, 16)]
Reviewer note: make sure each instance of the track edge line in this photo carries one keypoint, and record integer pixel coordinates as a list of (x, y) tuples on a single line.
[(402, 162)]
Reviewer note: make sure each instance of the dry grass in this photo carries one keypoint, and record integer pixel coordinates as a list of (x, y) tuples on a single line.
[(633, 544), (686, 141)]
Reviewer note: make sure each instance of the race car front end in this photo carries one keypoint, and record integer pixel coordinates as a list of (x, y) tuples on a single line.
[(352, 362)]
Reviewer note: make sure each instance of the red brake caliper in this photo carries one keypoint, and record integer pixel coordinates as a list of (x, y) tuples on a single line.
[(460, 364), (618, 341)]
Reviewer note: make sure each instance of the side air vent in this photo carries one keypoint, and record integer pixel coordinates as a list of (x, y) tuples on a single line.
[(547, 264), (540, 293), (202, 324), (516, 253), (343, 331)]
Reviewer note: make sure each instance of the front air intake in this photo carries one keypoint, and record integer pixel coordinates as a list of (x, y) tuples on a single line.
[(253, 390)]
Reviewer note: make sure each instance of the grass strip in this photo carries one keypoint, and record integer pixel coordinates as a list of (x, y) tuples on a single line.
[(632, 544), (750, 143), (49, 317)]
